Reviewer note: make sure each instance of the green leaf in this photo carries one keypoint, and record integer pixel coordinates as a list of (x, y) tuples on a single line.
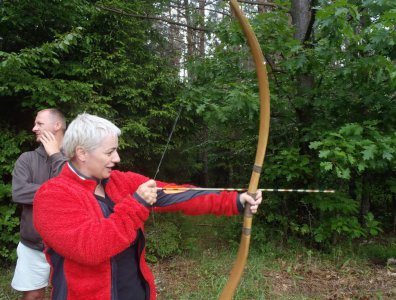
[(387, 155), (324, 153), (327, 166), (369, 151), (315, 145)]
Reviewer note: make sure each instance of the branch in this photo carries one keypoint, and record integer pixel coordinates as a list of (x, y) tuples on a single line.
[(259, 3), (196, 8), (121, 12)]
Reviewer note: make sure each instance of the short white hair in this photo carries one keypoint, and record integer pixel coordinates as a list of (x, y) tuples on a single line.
[(88, 132)]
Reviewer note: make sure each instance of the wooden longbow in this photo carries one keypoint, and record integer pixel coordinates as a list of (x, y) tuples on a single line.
[(261, 70)]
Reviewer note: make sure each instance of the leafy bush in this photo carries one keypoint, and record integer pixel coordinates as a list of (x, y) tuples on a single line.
[(163, 239), (356, 148), (8, 236), (378, 252), (10, 148)]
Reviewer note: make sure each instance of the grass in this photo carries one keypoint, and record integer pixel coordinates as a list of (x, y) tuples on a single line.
[(6, 292), (272, 272), (292, 276)]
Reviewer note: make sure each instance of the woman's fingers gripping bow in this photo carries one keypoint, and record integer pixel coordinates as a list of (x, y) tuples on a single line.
[(148, 191), (254, 202)]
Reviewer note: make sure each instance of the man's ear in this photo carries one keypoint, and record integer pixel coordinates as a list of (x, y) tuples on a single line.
[(58, 126), (81, 154)]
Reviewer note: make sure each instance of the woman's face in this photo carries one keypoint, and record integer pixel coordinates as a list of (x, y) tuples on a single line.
[(99, 162)]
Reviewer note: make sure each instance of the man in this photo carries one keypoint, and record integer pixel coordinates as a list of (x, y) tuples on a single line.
[(31, 170)]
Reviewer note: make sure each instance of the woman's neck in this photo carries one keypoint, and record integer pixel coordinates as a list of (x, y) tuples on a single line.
[(99, 190)]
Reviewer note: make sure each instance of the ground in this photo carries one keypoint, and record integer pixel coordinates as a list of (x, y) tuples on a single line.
[(182, 278), (297, 280)]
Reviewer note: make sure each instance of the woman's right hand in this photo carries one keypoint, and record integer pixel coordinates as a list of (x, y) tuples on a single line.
[(148, 191)]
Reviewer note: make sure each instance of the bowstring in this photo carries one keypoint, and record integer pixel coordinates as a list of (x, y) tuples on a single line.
[(158, 168), (167, 143), (163, 155)]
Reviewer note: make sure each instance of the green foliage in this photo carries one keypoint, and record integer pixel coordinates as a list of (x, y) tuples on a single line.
[(346, 112), (163, 239), (356, 148), (10, 148), (8, 225), (377, 251), (97, 62), (337, 218), (287, 167), (25, 73)]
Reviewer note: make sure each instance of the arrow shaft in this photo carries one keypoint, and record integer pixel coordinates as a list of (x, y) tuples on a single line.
[(282, 190)]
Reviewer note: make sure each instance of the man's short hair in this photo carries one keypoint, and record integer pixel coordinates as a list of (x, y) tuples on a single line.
[(57, 115)]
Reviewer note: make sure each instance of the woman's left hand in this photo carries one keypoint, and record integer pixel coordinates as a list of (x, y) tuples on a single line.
[(254, 203)]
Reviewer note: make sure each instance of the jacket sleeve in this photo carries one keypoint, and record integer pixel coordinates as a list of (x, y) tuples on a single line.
[(200, 202), (23, 188), (71, 223), (188, 202)]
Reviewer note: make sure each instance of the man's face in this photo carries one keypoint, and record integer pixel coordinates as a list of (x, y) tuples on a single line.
[(44, 122)]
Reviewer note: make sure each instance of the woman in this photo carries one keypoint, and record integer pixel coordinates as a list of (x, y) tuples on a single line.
[(91, 218)]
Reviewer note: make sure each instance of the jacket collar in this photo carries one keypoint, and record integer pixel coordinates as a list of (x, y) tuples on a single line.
[(90, 182), (40, 150)]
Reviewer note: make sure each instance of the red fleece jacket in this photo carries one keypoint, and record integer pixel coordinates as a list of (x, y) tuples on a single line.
[(70, 221)]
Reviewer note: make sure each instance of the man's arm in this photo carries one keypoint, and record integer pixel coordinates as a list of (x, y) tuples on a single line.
[(23, 189)]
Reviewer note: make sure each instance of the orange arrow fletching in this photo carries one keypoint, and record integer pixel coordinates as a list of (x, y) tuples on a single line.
[(173, 189)]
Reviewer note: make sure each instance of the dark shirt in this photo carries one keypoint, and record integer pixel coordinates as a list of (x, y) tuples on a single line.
[(127, 280)]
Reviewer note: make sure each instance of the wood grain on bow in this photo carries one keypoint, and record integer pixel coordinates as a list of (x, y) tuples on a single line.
[(264, 94)]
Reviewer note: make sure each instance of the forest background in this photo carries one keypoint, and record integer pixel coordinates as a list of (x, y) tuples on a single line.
[(145, 64)]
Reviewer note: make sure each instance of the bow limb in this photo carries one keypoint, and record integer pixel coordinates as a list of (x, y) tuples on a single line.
[(264, 94)]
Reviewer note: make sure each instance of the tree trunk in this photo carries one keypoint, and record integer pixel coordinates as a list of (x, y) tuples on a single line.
[(352, 189), (190, 45), (175, 37), (201, 34), (302, 19), (205, 159)]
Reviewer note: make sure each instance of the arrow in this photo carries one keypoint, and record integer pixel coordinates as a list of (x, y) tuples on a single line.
[(180, 189)]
